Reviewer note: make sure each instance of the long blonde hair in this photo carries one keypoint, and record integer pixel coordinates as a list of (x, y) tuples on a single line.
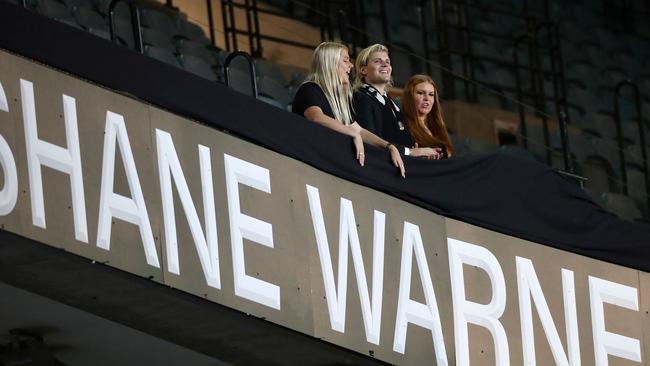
[(362, 60), (433, 121), (324, 73)]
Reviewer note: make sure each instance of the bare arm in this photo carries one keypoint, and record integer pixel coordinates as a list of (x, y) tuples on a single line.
[(359, 136), (316, 114), (375, 140)]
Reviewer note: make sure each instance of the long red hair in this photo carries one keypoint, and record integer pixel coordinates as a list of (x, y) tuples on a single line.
[(433, 120)]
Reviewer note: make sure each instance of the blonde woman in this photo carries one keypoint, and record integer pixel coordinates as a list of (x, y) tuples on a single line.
[(423, 114), (375, 110), (325, 98)]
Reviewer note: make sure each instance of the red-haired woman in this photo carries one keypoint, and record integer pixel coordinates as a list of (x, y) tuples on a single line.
[(423, 114)]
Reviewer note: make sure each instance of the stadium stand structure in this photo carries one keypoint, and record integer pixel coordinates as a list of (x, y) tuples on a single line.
[(168, 37), (537, 59), (475, 33)]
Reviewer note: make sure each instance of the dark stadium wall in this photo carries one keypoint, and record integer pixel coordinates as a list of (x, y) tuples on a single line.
[(267, 235)]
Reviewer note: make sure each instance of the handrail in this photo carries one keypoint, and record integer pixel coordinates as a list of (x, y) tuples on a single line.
[(619, 134), (564, 136), (520, 107), (136, 24), (229, 28), (444, 51), (211, 21), (537, 83), (251, 67), (252, 31), (561, 104)]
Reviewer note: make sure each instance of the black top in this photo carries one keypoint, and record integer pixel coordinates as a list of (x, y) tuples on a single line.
[(381, 116), (308, 95)]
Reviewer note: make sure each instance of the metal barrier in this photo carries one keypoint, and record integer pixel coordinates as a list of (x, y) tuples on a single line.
[(619, 134), (252, 32), (535, 67), (251, 67), (135, 23)]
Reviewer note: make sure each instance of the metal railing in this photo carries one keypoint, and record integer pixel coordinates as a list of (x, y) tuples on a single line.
[(251, 68), (136, 24), (252, 31), (619, 135), (537, 74)]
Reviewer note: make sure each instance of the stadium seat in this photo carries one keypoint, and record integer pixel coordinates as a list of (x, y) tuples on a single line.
[(124, 33), (517, 151), (605, 37), (490, 97), (612, 76), (592, 50), (607, 150), (476, 146), (270, 70), (599, 174), (623, 206), (102, 6), (200, 50), (152, 18), (483, 48), (599, 124), (374, 30), (634, 155), (78, 4), (271, 101), (240, 81), (631, 132), (198, 66), (191, 31), (583, 73), (270, 88), (161, 54), (55, 10), (405, 63), (154, 37), (411, 36), (90, 19), (636, 183)]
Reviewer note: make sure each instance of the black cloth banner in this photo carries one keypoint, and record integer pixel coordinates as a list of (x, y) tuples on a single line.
[(498, 192)]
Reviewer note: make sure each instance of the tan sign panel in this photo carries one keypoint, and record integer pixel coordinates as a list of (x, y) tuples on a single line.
[(170, 199)]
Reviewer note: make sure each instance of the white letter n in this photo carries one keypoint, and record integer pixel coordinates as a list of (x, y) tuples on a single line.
[(170, 167)]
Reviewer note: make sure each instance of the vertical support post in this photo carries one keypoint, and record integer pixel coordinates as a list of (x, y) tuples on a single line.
[(211, 22), (520, 93), (251, 68), (619, 133), (444, 50), (568, 162), (257, 35), (224, 16), (425, 34), (137, 29), (233, 27), (384, 21)]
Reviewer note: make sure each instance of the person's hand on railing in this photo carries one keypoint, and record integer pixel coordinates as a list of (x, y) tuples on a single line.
[(396, 158), (358, 143), (434, 153)]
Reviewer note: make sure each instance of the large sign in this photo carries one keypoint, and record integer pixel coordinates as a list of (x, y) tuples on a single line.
[(124, 183)]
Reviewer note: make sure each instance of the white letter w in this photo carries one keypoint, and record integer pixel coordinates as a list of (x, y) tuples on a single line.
[(336, 300)]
